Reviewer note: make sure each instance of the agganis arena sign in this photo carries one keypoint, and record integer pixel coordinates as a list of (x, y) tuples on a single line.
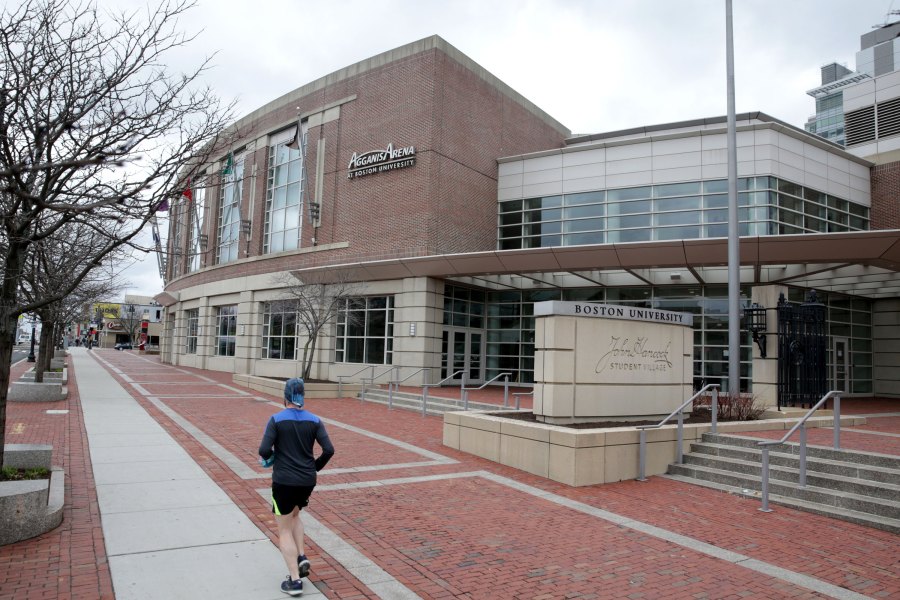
[(379, 161)]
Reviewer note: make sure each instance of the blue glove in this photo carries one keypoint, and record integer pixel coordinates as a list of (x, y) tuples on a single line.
[(267, 462)]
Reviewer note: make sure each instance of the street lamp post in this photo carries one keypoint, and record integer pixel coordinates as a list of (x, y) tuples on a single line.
[(31, 357)]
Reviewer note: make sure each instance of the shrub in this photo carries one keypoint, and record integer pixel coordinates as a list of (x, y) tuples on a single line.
[(14, 474), (731, 407)]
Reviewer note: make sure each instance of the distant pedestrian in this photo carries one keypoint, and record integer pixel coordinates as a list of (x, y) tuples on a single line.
[(287, 445)]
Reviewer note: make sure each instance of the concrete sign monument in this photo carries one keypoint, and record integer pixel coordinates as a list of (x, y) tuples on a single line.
[(602, 362)]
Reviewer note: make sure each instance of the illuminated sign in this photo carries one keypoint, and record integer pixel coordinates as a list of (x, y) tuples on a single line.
[(379, 161)]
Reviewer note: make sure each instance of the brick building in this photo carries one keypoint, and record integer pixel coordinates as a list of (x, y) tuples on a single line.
[(451, 204)]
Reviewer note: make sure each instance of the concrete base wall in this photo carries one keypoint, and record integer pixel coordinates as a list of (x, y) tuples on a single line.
[(580, 457), (313, 390), (30, 508), (20, 391)]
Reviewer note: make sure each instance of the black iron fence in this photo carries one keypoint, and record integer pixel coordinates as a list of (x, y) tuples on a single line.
[(802, 352)]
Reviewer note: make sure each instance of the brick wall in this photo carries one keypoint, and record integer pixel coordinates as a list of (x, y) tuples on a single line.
[(886, 196), (446, 203)]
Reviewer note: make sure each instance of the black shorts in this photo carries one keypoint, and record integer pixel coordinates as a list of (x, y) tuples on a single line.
[(286, 497)]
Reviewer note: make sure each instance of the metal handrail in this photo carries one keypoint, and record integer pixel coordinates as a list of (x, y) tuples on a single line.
[(516, 396), (395, 384), (642, 450), (341, 379), (465, 391), (801, 424), (362, 392), (441, 382)]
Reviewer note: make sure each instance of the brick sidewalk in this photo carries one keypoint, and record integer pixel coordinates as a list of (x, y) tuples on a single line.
[(68, 562), (463, 529)]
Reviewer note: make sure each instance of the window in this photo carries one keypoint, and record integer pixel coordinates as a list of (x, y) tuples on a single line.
[(279, 337), (365, 331), (230, 210), (192, 322), (195, 213), (226, 330), (284, 195), (179, 218)]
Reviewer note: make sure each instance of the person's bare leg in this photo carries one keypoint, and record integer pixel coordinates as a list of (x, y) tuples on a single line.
[(298, 534), (286, 542)]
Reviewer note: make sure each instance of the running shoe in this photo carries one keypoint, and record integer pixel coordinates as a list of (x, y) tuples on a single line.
[(292, 587), (303, 565)]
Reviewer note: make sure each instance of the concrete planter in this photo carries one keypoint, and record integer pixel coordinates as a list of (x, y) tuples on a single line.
[(313, 390), (57, 363), (49, 376), (22, 391), (580, 457), (30, 508)]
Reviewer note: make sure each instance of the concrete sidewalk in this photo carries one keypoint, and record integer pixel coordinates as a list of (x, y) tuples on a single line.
[(170, 531)]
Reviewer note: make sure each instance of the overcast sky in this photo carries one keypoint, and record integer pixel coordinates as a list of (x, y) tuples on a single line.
[(594, 65)]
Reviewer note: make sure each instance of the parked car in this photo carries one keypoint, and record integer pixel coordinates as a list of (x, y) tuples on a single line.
[(123, 346)]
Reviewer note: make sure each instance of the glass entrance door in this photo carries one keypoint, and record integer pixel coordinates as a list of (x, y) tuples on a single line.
[(463, 350), (841, 359)]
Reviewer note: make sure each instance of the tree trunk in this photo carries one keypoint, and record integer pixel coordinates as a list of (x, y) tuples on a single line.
[(6, 348), (307, 358), (312, 356)]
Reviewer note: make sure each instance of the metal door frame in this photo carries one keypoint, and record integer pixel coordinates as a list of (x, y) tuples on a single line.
[(467, 355), (845, 362)]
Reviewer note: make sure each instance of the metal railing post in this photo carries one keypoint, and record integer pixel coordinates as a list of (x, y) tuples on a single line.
[(679, 450), (463, 394), (340, 386), (424, 399), (802, 481), (715, 409), (518, 398), (765, 480), (505, 391), (390, 395), (642, 455), (837, 422)]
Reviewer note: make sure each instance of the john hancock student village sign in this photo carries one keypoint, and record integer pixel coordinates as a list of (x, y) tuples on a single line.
[(610, 361), (379, 161)]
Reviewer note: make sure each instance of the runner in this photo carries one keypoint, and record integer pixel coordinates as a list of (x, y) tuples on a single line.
[(287, 445)]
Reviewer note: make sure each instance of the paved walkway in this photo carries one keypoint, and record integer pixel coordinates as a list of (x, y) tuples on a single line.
[(396, 514)]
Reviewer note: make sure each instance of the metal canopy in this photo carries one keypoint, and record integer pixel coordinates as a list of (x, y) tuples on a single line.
[(863, 263)]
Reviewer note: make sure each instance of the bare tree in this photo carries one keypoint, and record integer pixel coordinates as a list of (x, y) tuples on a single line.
[(83, 96), (130, 318), (318, 300)]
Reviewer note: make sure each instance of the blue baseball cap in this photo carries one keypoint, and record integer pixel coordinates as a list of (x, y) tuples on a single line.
[(293, 391)]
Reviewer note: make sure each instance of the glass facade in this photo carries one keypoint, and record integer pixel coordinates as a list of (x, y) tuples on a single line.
[(279, 335), (192, 324), (284, 198), (849, 319), (226, 330), (509, 326), (197, 212), (229, 224), (829, 120), (690, 210), (365, 331)]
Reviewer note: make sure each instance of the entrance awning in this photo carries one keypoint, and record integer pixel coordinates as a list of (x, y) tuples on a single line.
[(863, 263)]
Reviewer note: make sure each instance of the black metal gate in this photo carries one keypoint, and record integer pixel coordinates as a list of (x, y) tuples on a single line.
[(802, 346)]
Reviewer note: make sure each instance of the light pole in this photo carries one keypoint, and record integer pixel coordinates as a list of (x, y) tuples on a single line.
[(31, 357)]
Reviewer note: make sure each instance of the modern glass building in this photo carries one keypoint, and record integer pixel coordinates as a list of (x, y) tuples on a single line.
[(450, 205)]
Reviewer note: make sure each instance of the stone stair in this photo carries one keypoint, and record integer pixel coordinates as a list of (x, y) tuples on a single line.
[(859, 487), (437, 405)]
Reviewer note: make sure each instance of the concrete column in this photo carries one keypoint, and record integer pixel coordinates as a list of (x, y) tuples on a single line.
[(764, 384), (886, 347), (247, 339), (418, 325), (206, 336)]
